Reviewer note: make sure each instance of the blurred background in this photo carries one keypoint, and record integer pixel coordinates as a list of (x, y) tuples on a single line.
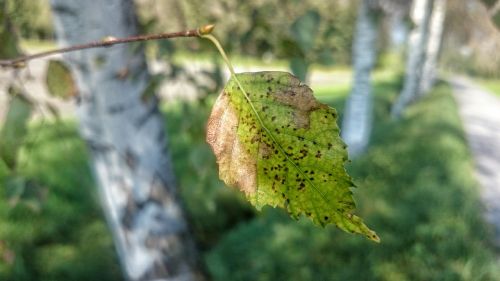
[(417, 88)]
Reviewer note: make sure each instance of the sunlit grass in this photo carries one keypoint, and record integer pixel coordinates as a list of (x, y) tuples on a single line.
[(492, 85), (32, 46)]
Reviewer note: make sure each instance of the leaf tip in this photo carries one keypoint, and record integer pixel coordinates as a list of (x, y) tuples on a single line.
[(373, 237)]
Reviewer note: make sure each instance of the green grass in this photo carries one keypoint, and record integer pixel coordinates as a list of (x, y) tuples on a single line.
[(56, 231), (237, 60), (491, 85), (37, 45), (415, 188)]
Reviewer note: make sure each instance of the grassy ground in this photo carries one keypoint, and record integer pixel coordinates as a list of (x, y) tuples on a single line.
[(415, 189), (56, 231), (491, 85), (37, 45)]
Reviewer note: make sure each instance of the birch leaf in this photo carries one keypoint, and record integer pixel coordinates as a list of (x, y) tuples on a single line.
[(60, 82), (282, 148), (15, 127)]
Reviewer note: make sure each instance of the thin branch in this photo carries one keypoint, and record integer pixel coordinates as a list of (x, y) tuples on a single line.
[(107, 42)]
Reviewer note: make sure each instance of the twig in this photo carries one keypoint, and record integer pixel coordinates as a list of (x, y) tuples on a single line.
[(107, 42)]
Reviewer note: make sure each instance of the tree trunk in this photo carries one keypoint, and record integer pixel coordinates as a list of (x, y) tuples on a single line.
[(357, 120), (433, 46), (125, 133), (398, 32), (416, 55)]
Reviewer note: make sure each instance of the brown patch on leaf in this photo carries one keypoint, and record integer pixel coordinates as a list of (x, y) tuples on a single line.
[(237, 167), (297, 95), (301, 98), (265, 150), (301, 119)]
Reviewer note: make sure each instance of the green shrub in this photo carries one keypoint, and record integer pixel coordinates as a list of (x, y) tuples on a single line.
[(60, 234)]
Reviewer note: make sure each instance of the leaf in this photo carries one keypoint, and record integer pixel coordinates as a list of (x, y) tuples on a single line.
[(299, 67), (305, 29), (14, 128), (283, 149), (60, 82), (325, 57)]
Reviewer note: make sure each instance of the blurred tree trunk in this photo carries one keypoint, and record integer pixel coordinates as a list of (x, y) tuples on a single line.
[(357, 120), (433, 46), (125, 133), (398, 32), (420, 14)]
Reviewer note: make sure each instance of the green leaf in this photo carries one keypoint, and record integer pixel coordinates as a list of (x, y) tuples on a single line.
[(325, 57), (14, 128), (305, 30), (281, 147), (299, 67), (59, 79)]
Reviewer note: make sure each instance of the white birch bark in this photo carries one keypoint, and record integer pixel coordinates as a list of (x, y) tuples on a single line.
[(421, 13), (357, 120), (127, 141), (433, 46), (398, 32)]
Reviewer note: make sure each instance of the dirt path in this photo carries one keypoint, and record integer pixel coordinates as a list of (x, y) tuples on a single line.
[(480, 113)]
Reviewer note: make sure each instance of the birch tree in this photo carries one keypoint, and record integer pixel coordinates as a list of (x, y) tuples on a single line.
[(357, 122), (124, 131), (358, 119), (421, 14), (433, 46)]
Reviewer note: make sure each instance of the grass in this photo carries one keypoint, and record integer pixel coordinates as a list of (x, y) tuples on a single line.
[(56, 231), (37, 45), (415, 188), (492, 85)]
